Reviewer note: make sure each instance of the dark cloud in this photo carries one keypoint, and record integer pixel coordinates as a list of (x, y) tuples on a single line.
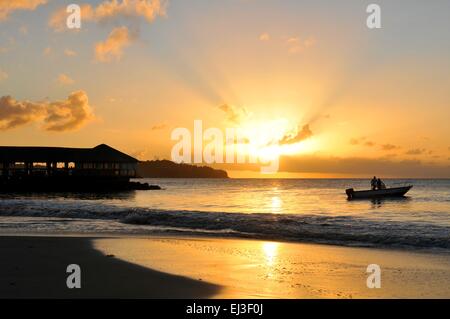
[(361, 166), (353, 166), (415, 151), (361, 141), (389, 147), (159, 126)]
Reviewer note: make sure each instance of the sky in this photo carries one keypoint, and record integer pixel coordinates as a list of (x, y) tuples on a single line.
[(337, 98)]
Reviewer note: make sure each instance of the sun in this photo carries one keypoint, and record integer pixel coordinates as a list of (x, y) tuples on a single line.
[(264, 138)]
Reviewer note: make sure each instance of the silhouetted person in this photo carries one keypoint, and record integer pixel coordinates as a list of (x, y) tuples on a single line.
[(380, 184), (373, 183)]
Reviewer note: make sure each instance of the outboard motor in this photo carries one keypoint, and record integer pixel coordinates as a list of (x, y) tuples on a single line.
[(349, 193)]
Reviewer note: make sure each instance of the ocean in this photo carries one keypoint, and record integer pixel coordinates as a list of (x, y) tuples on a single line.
[(297, 210)]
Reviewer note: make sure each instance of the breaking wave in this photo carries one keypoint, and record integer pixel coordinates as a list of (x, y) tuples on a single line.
[(340, 230)]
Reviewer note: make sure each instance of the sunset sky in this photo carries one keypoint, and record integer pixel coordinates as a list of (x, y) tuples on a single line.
[(344, 100)]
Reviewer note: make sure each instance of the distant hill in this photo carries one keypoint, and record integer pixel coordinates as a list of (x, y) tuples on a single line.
[(168, 169)]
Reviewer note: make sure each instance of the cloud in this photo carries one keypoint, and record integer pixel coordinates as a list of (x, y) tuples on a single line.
[(112, 48), (363, 141), (112, 11), (47, 51), (264, 37), (297, 45), (14, 113), (415, 151), (354, 166), (9, 6), (159, 126), (70, 114), (69, 53), (3, 75), (301, 135), (59, 116), (65, 79), (149, 9), (234, 114), (24, 30), (58, 20), (389, 147)]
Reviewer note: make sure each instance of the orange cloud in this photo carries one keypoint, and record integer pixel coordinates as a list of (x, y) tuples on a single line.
[(112, 10), (362, 140), (70, 114), (416, 151), (9, 6), (301, 135), (234, 114), (389, 147), (64, 79), (264, 37), (159, 126), (65, 115), (112, 48), (47, 51), (148, 9), (3, 75), (59, 18), (69, 53), (296, 45)]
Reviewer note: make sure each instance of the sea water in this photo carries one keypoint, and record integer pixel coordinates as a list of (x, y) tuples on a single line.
[(299, 210)]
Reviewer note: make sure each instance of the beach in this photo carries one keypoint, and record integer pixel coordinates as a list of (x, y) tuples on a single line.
[(191, 267), (35, 267)]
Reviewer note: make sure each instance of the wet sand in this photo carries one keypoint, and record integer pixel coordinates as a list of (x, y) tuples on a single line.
[(35, 267), (262, 269)]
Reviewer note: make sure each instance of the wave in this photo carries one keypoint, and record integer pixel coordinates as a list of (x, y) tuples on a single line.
[(341, 230)]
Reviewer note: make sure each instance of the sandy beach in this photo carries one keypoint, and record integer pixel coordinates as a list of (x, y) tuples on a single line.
[(35, 267)]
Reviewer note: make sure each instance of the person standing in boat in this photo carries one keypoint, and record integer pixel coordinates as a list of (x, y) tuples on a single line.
[(374, 183)]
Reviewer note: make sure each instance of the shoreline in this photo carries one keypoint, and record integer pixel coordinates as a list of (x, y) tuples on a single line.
[(187, 235), (205, 267)]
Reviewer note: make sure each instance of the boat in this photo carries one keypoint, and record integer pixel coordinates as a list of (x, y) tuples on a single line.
[(378, 193)]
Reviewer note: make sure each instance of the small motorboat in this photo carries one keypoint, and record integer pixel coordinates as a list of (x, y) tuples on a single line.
[(378, 193)]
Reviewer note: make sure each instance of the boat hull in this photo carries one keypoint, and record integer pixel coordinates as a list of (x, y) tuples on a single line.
[(380, 193)]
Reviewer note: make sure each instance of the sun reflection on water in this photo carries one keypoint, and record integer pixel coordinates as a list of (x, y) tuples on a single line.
[(276, 205)]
